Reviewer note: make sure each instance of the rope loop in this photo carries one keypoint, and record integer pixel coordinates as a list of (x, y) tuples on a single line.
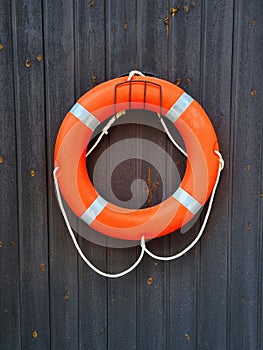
[(86, 260), (221, 160), (142, 244), (193, 243), (133, 72)]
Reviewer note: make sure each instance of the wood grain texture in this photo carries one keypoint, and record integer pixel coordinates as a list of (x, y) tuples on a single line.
[(120, 37), (10, 336), (31, 165), (60, 96), (121, 57), (152, 284), (216, 100), (52, 52), (246, 239), (93, 289), (184, 71)]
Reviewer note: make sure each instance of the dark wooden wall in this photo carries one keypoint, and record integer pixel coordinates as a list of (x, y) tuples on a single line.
[(51, 52)]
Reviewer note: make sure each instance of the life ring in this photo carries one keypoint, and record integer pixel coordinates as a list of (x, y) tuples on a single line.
[(100, 103)]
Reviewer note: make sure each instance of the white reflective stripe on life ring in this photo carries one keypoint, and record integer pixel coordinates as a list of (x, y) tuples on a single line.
[(85, 116), (179, 107), (187, 200), (94, 210)]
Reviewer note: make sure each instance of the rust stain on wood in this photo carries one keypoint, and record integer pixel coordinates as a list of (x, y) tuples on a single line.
[(35, 334), (174, 11), (27, 63), (150, 280), (91, 4)]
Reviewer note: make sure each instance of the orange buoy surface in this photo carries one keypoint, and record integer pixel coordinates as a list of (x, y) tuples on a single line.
[(114, 96)]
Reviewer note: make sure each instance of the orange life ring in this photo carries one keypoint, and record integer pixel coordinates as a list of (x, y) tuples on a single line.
[(97, 105)]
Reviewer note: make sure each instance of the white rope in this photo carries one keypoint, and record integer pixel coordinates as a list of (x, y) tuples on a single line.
[(143, 246), (131, 75), (178, 255), (170, 136), (115, 117), (94, 268), (105, 130), (133, 72)]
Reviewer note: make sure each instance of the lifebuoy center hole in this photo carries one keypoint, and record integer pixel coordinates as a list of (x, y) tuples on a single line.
[(136, 165)]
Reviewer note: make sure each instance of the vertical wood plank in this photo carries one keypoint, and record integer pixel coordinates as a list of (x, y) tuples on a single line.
[(260, 261), (9, 245), (121, 58), (152, 37), (216, 85), (90, 36), (120, 37), (60, 96), (152, 320), (246, 236), (51, 52), (122, 291), (90, 44), (184, 45), (184, 70), (32, 201)]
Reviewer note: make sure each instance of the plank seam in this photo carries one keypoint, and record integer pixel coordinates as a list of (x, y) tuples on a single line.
[(231, 168), (18, 166)]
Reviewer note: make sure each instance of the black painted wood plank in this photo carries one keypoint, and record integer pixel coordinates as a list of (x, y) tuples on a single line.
[(32, 205), (90, 44), (122, 301), (121, 292), (152, 36), (92, 299), (260, 260), (60, 96), (120, 37), (246, 235), (121, 58), (217, 290), (90, 55), (184, 70), (9, 247), (216, 86), (184, 45), (152, 285)]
